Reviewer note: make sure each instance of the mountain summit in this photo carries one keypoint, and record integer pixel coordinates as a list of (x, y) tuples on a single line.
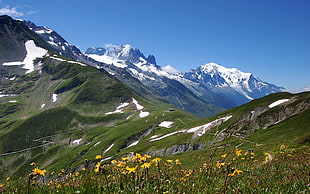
[(231, 83), (212, 83)]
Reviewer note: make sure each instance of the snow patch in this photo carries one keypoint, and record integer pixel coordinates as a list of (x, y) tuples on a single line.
[(167, 135), (76, 142), (143, 114), (278, 102), (33, 52), (204, 128), (166, 124), (12, 101), (105, 151), (199, 130), (133, 144), (119, 109), (139, 107), (42, 106), (54, 97)]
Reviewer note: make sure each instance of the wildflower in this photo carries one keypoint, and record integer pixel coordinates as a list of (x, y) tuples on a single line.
[(268, 158), (37, 171), (131, 170), (220, 164), (182, 179), (121, 164), (224, 155), (188, 172), (170, 161), (125, 159), (137, 157), (97, 167), (236, 171), (238, 152), (8, 178), (282, 147), (156, 160), (53, 172), (32, 164), (62, 170), (114, 162), (98, 157), (146, 165), (177, 162), (147, 156)]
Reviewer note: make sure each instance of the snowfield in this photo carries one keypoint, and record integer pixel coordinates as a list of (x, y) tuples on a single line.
[(33, 52), (199, 130), (278, 102), (166, 124)]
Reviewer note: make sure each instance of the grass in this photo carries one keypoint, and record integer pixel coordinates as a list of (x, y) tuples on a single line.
[(229, 171)]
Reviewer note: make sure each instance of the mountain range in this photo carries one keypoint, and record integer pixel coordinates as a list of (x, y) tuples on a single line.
[(57, 102), (204, 91)]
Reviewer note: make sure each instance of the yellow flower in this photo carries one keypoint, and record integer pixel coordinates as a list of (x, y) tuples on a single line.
[(170, 161), (224, 155), (98, 157), (114, 162), (220, 164), (238, 152), (8, 178), (282, 147), (125, 159), (1, 185), (156, 160), (147, 156), (121, 164), (146, 165), (236, 171), (37, 171), (177, 162), (32, 164), (131, 170)]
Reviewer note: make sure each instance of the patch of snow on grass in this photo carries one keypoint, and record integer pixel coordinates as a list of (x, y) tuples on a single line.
[(108, 148), (119, 109), (166, 124), (200, 130), (133, 144), (139, 107), (278, 102), (144, 114), (76, 142), (54, 97), (167, 135)]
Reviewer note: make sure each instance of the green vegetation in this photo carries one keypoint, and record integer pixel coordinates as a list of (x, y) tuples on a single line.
[(232, 171)]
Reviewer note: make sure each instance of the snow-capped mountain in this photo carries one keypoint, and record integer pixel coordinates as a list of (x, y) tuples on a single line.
[(164, 80), (232, 83), (225, 87)]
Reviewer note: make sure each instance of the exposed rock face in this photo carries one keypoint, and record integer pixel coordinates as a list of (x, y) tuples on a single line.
[(176, 149)]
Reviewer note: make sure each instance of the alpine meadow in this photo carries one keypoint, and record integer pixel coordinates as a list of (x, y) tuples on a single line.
[(115, 121)]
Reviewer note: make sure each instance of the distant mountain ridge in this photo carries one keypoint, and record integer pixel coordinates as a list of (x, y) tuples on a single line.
[(211, 82)]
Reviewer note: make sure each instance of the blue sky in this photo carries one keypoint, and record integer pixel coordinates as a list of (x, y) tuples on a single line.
[(269, 38)]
